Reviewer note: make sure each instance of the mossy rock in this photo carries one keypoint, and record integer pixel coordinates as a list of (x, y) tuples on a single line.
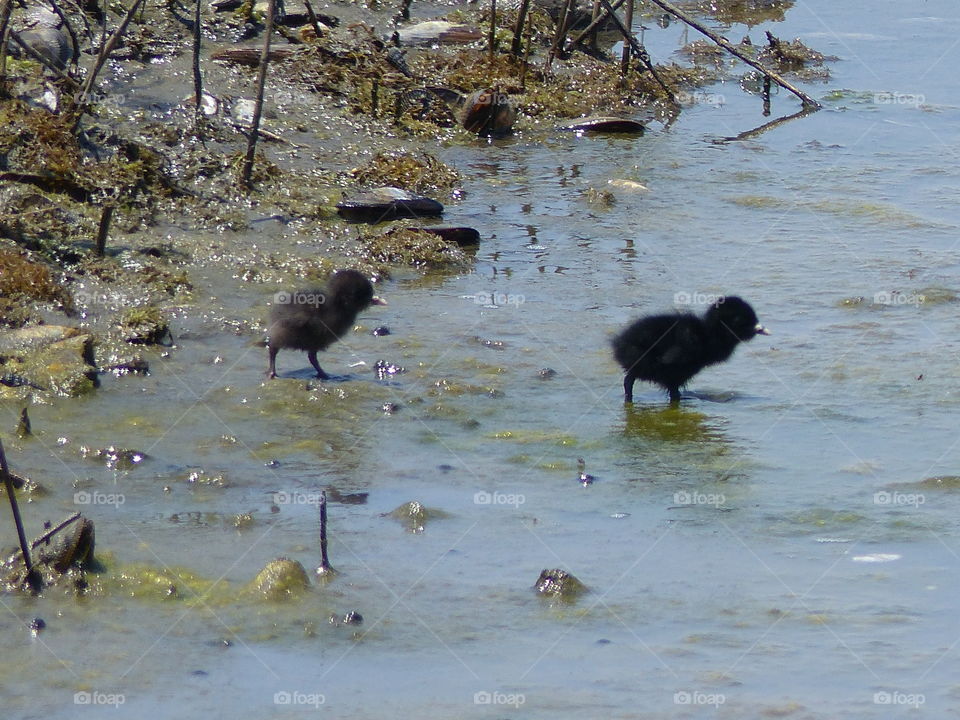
[(560, 585), (414, 248), (420, 173), (281, 579), (414, 515), (47, 358), (145, 326)]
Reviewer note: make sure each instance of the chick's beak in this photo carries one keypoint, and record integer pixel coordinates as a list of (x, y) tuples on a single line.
[(761, 330), (378, 301)]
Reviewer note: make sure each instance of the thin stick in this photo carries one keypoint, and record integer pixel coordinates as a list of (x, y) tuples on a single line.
[(43, 61), (105, 218), (493, 29), (53, 531), (325, 567), (625, 58), (375, 97), (725, 44), (639, 51), (516, 46), (313, 18), (526, 54), (561, 32), (594, 14), (258, 108), (105, 51), (33, 577), (592, 26), (74, 43), (197, 77), (4, 38)]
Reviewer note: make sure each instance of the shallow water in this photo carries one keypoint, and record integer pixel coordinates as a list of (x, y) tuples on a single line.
[(740, 559)]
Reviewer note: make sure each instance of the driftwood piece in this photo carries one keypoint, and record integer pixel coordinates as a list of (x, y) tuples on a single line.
[(250, 56)]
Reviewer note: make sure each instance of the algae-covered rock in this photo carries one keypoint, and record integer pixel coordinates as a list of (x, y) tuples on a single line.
[(145, 326), (414, 248), (414, 515), (113, 457), (281, 579), (50, 358), (559, 584), (421, 172), (62, 553)]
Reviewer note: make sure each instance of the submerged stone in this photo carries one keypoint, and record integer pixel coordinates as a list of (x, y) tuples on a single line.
[(281, 579), (559, 584), (415, 515)]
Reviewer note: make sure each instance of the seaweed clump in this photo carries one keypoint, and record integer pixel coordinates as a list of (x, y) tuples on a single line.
[(24, 281), (420, 173), (414, 248)]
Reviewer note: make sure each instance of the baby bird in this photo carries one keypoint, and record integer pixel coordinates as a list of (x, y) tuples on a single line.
[(312, 320), (668, 350)]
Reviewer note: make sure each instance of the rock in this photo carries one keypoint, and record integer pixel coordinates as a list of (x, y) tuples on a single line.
[(462, 236), (145, 326), (559, 584), (387, 203), (113, 457), (281, 579), (59, 553), (601, 124), (49, 358), (35, 337), (414, 515)]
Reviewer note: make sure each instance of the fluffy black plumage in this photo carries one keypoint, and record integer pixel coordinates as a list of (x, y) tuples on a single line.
[(312, 320), (670, 349)]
